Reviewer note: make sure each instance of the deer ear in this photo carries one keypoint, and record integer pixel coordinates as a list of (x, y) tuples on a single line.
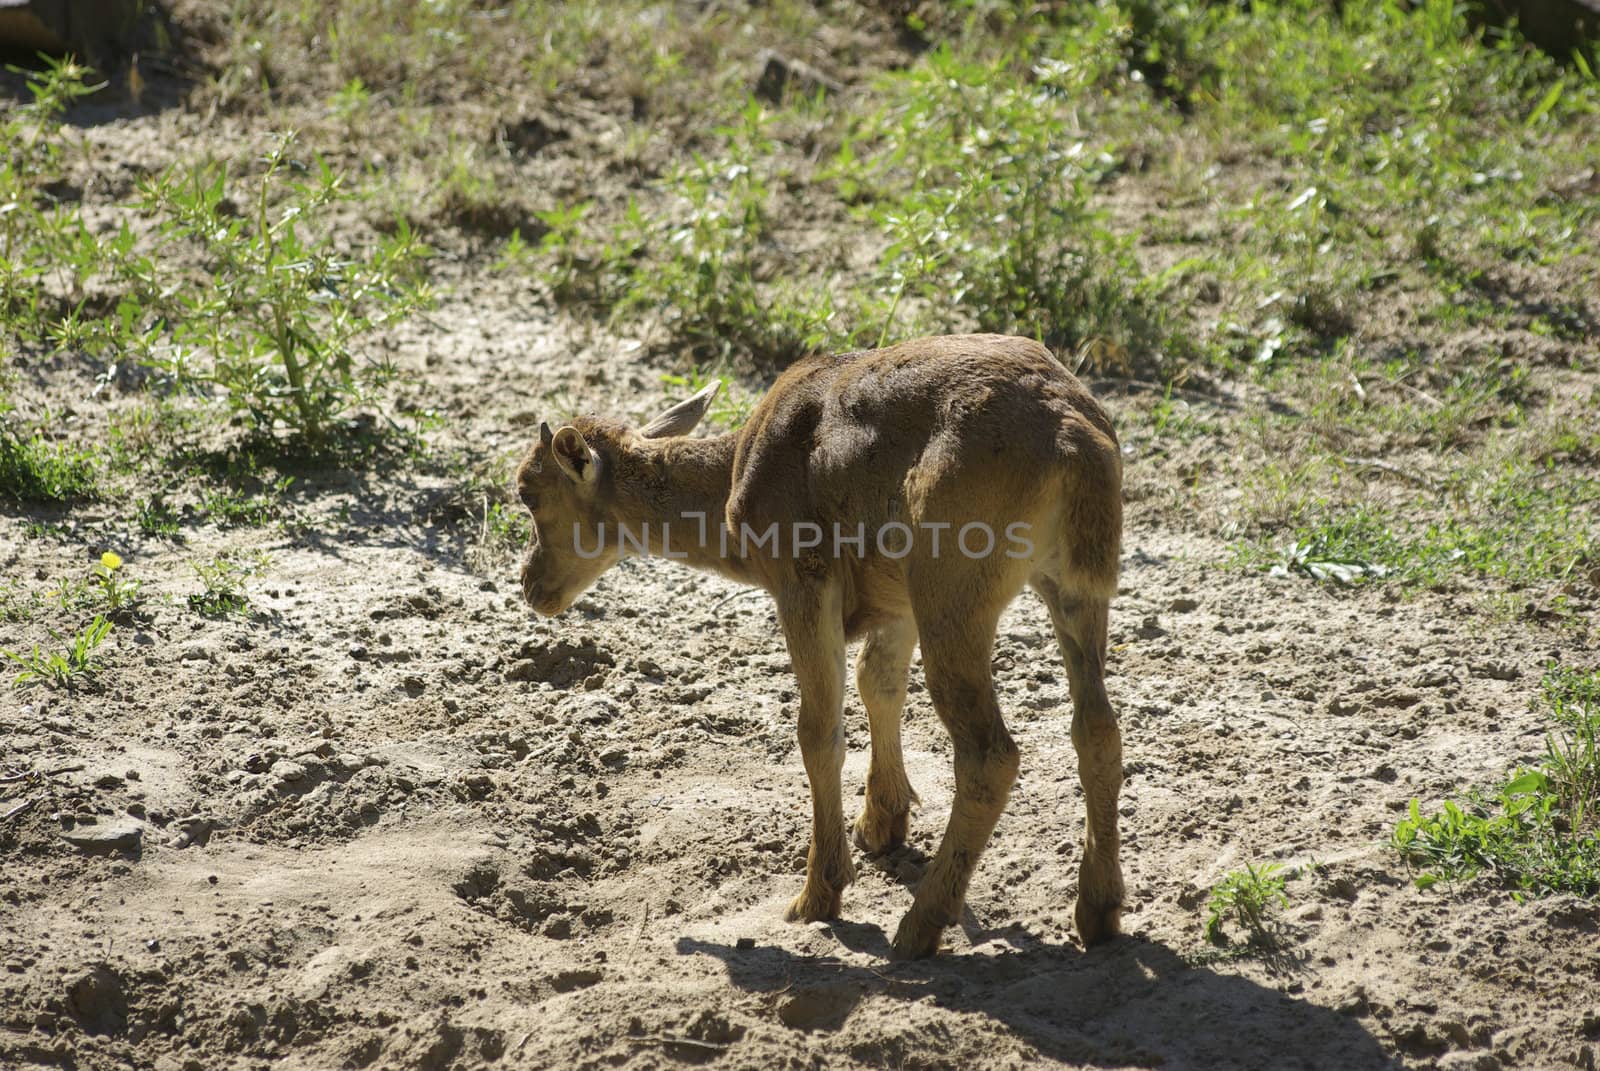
[(572, 453), (681, 418)]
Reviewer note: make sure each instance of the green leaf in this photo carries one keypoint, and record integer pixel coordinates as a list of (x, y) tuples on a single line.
[(1530, 782), (1550, 100)]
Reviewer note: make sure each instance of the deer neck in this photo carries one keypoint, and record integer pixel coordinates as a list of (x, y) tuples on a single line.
[(685, 505)]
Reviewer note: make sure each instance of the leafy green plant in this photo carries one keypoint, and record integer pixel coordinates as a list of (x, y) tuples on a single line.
[(1247, 898), (505, 528), (1319, 561), (62, 668), (1572, 763), (116, 591), (706, 268), (282, 307), (984, 190), (1539, 832), (156, 518), (34, 227), (706, 271), (232, 508), (32, 470), (223, 585)]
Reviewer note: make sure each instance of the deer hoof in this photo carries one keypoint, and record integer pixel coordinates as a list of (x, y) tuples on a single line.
[(877, 832), (1097, 923), (916, 938), (814, 904)]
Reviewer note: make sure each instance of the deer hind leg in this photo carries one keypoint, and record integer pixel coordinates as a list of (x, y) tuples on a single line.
[(815, 634), (881, 679), (955, 658), (1080, 624)]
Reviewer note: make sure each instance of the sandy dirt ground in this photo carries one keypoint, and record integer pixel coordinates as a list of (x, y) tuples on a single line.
[(390, 819)]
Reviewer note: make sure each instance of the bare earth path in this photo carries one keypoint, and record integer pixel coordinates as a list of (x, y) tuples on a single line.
[(392, 820)]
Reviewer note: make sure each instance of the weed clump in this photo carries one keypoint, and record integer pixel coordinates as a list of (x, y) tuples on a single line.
[(1248, 898), (1539, 832)]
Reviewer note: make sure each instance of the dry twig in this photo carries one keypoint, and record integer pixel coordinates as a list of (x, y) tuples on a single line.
[(1394, 470), (21, 808)]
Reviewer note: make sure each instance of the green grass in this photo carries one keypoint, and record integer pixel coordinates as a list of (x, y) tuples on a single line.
[(235, 508), (156, 518), (1539, 831), (64, 667), (1520, 521), (32, 470)]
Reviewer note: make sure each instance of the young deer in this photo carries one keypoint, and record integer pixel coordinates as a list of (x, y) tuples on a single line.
[(900, 496)]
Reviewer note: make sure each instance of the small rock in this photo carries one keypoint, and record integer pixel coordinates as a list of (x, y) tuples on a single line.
[(1495, 670), (782, 74), (195, 830), (288, 772), (1150, 629), (1353, 1002), (103, 839), (529, 136), (95, 998), (1183, 605), (745, 943), (524, 670), (581, 978)]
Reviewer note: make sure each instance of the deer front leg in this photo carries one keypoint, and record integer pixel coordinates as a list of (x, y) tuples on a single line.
[(815, 634)]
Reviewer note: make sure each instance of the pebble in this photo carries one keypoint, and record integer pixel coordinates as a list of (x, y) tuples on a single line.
[(288, 772)]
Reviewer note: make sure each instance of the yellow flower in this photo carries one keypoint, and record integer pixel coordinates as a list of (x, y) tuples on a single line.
[(111, 560)]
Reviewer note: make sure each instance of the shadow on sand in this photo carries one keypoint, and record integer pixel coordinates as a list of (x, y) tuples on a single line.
[(1134, 1002)]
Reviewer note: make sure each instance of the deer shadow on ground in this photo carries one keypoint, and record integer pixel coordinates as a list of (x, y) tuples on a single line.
[(1134, 1002)]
